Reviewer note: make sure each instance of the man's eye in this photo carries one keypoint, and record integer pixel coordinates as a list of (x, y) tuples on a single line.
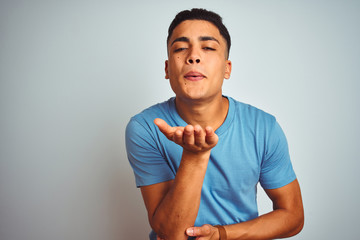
[(209, 48), (179, 49)]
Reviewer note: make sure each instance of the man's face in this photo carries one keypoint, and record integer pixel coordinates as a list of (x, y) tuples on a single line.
[(197, 63)]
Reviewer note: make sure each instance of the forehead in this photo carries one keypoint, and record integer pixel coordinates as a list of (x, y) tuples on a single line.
[(194, 29)]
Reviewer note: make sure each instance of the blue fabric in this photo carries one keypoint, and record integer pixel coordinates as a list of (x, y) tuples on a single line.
[(252, 149)]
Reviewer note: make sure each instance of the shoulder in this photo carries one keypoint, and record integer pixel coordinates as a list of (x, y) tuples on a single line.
[(146, 117), (154, 110), (249, 114), (142, 126)]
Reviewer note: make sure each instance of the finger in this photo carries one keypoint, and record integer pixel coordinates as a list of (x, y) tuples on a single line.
[(211, 138), (178, 137), (204, 230), (167, 130), (189, 135), (199, 136)]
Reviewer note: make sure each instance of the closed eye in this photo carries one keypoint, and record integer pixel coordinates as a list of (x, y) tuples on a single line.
[(179, 49), (209, 48)]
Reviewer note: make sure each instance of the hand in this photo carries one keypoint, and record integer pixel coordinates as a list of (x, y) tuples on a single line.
[(205, 232), (192, 138)]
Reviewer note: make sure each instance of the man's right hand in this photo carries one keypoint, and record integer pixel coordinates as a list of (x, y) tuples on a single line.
[(193, 139), (173, 205)]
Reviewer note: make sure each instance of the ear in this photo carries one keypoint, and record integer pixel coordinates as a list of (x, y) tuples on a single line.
[(227, 69), (166, 69)]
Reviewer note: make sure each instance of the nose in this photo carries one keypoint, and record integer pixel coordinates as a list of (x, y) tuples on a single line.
[(191, 60), (194, 57)]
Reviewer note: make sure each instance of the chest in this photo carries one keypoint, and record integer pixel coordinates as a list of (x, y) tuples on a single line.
[(235, 161)]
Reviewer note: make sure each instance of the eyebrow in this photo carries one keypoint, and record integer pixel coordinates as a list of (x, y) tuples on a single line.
[(180, 39), (201, 38), (208, 38)]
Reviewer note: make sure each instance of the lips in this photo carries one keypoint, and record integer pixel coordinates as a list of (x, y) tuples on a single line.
[(194, 76)]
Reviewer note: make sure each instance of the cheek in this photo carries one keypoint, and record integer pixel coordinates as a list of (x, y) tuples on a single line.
[(175, 65), (217, 66)]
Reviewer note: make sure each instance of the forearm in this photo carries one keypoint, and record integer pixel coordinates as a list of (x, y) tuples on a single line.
[(280, 223), (179, 208)]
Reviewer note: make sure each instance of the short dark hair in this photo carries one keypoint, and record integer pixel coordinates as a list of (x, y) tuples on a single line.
[(201, 14)]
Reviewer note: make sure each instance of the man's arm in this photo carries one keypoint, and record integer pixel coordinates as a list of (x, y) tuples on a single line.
[(173, 205), (285, 220)]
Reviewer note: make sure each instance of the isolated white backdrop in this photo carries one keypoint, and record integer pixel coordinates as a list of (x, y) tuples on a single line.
[(72, 73)]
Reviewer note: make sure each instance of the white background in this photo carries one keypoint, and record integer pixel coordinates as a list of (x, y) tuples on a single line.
[(72, 73)]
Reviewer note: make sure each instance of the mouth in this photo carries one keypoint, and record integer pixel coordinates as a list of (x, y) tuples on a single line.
[(194, 76)]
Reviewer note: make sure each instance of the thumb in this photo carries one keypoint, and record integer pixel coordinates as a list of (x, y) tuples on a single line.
[(211, 137), (160, 123), (199, 231), (163, 127)]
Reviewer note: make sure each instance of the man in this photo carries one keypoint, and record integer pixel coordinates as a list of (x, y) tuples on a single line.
[(198, 157)]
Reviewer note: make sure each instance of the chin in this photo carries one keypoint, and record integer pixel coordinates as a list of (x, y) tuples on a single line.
[(194, 98)]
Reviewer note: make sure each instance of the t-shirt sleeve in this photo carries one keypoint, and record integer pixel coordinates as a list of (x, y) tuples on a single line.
[(144, 156), (276, 168)]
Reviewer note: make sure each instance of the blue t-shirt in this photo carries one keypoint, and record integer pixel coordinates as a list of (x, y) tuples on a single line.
[(252, 148)]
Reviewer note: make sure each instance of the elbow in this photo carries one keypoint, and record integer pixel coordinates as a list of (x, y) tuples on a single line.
[(297, 229), (293, 223), (166, 229), (299, 224), (158, 228)]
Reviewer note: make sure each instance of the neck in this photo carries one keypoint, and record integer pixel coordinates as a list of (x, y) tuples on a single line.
[(205, 113)]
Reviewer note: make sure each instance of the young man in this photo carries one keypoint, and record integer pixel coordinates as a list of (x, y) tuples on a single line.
[(199, 156)]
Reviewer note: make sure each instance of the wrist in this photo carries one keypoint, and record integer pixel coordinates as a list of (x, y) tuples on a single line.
[(201, 155), (197, 159), (222, 232)]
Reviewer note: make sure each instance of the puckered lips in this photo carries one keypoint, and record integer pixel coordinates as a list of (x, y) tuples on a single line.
[(194, 76)]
